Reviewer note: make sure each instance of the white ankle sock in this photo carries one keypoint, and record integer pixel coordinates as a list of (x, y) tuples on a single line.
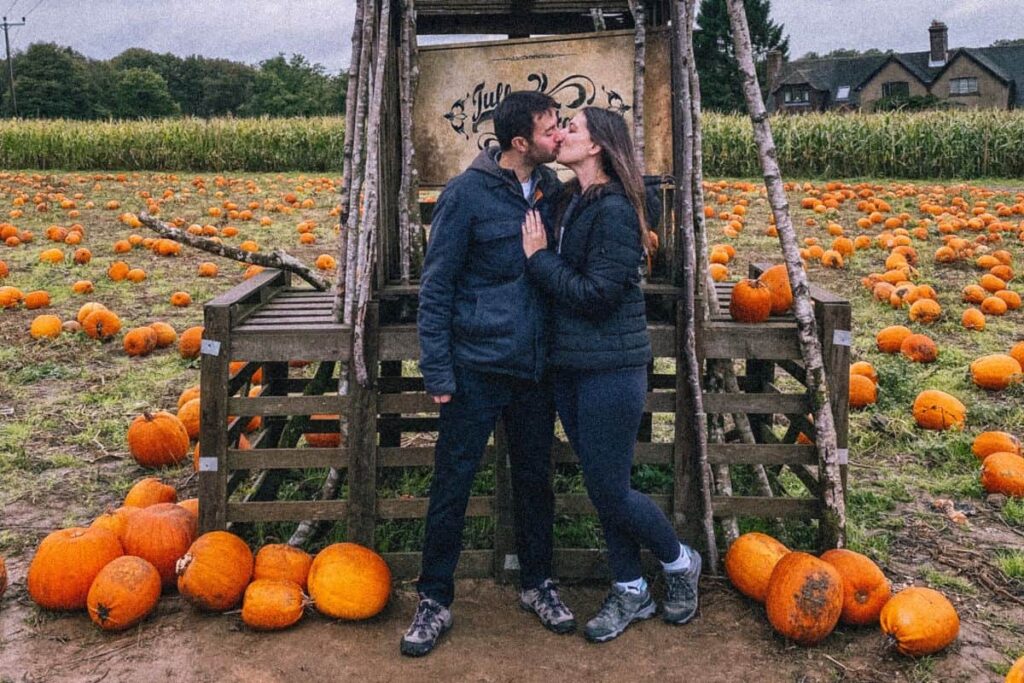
[(680, 564), (636, 586)]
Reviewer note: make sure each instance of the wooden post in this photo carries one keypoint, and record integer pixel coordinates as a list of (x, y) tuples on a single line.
[(362, 440), (505, 571), (215, 358)]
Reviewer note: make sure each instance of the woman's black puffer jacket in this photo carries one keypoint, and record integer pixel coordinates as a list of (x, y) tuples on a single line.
[(599, 321)]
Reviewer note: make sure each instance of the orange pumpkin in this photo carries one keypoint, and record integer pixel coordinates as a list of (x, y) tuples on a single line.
[(776, 278), (272, 604), (102, 324), (863, 392), (330, 439), (925, 311), (283, 562), (207, 269), (189, 414), (66, 563), (751, 302), (1016, 672), (865, 588), (187, 395), (160, 534), (1017, 353), (157, 439), (890, 339), (919, 348), (139, 341), (919, 621), (123, 593), (45, 326), (165, 334), (804, 598), (993, 305), (348, 581), (181, 299), (150, 491), (214, 572), (934, 409), (3, 577), (996, 371), (1003, 473), (974, 294), (973, 319), (115, 520), (749, 563), (862, 367), (987, 443), (87, 308), (118, 271), (189, 341), (37, 299)]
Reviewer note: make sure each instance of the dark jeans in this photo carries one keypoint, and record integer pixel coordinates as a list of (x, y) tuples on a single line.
[(467, 422), (601, 413)]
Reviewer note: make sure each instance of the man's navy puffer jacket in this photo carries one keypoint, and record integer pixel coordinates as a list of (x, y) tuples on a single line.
[(598, 316)]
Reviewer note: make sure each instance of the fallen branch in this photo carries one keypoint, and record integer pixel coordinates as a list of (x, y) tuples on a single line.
[(275, 259)]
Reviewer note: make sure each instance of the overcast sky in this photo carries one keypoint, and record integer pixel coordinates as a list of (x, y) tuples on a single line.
[(253, 30)]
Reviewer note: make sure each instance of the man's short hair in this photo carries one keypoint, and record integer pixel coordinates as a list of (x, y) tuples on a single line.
[(514, 115)]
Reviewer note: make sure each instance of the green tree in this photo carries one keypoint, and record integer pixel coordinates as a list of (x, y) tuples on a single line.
[(141, 93), (290, 87), (1007, 42), (52, 82), (721, 88)]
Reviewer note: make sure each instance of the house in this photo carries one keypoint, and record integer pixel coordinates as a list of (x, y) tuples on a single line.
[(969, 77)]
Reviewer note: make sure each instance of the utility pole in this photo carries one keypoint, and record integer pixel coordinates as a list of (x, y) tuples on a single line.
[(10, 64)]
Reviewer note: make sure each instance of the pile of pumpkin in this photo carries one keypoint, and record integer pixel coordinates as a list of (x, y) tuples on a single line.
[(754, 300), (117, 568), (805, 597)]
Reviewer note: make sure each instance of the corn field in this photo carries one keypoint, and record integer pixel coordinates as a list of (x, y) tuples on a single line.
[(965, 144)]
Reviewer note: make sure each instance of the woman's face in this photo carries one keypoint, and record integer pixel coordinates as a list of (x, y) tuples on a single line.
[(576, 143)]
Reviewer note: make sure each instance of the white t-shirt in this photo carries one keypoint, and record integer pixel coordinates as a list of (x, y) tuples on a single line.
[(528, 188)]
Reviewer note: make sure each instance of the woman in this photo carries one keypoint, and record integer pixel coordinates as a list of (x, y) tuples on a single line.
[(599, 355)]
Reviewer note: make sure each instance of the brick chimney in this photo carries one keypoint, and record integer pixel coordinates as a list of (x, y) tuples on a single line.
[(773, 68), (937, 37)]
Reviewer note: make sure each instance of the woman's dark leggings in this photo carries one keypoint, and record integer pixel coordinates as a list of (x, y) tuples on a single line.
[(601, 413)]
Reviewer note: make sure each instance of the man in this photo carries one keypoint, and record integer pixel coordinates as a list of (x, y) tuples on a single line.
[(482, 344)]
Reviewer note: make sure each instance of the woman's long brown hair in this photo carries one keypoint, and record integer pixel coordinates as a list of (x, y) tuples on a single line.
[(609, 131)]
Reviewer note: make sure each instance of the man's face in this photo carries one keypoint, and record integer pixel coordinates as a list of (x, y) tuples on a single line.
[(546, 138)]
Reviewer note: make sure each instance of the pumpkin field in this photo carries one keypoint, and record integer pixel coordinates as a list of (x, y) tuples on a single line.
[(100, 322)]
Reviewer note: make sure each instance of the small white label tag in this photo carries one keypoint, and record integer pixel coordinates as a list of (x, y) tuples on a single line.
[(842, 337), (207, 464), (843, 454), (511, 563), (210, 347)]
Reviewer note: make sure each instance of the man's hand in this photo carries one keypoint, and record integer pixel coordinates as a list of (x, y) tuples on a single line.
[(442, 398), (535, 237)]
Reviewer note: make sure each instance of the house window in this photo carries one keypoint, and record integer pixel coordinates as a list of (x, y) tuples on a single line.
[(797, 96), (894, 90), (963, 86), (843, 93)]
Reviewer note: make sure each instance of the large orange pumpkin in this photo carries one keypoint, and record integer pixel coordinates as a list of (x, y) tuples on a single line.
[(920, 621), (189, 414), (996, 371), (1016, 672), (123, 593), (102, 324), (284, 562), (889, 339), (150, 491), (115, 520), (157, 439), (348, 581), (865, 588), (804, 598), (987, 443), (214, 572), (1003, 473), (272, 604), (934, 409), (160, 534), (919, 348), (189, 341), (66, 563), (863, 392), (776, 279), (750, 302), (749, 563)]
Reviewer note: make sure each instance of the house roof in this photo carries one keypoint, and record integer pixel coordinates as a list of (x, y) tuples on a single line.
[(828, 75)]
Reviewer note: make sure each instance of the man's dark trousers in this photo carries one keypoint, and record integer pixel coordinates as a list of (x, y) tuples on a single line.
[(466, 424)]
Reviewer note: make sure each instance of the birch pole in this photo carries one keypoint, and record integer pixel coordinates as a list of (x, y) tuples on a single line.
[(408, 191), (683, 27), (351, 96), (832, 529), (639, 67)]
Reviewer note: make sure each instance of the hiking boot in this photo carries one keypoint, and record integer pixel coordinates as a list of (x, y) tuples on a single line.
[(548, 606), (680, 604), (621, 608), (431, 621)]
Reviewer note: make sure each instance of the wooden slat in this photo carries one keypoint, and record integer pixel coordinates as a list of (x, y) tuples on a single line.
[(473, 564), (418, 456), (579, 503), (416, 508), (769, 403), (757, 506), (246, 289), (287, 458), (287, 510), (765, 341), (763, 454), (287, 405), (663, 340), (328, 342), (399, 342), (416, 403), (289, 322)]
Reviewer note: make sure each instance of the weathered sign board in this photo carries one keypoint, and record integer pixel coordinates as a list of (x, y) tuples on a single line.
[(460, 86)]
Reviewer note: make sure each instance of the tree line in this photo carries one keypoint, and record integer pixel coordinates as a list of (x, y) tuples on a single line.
[(53, 81)]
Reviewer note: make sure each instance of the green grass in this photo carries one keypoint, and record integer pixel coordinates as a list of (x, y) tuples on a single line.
[(944, 581), (1011, 562), (1013, 512)]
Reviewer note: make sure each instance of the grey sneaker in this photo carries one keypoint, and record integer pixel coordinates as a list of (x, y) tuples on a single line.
[(548, 606), (431, 621), (621, 608), (681, 598)]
